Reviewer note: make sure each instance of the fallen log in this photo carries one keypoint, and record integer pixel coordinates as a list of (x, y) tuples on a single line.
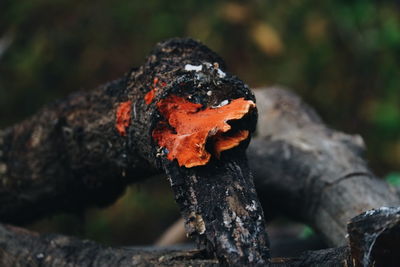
[(290, 131), (87, 145), (374, 241), (374, 238), (179, 113), (19, 247), (66, 157), (309, 172)]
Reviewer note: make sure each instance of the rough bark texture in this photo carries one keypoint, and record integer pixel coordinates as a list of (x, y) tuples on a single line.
[(310, 172), (19, 247), (67, 156), (86, 148), (374, 241), (228, 216), (70, 155), (218, 200), (375, 238)]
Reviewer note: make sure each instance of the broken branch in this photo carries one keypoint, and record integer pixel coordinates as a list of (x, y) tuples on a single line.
[(374, 241), (177, 113)]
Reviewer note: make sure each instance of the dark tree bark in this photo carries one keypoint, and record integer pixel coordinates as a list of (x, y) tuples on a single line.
[(310, 172), (66, 157), (375, 238), (295, 178), (19, 247), (217, 200), (374, 241), (86, 148)]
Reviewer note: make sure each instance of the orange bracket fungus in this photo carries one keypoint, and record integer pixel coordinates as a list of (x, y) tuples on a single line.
[(222, 143), (189, 127), (123, 117)]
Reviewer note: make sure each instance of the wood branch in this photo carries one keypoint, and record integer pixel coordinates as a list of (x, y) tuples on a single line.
[(308, 171), (66, 157), (374, 241), (299, 165), (375, 237), (216, 196), (297, 178), (93, 144), (19, 247), (179, 112)]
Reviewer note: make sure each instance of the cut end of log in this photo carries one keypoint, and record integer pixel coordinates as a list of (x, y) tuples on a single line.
[(123, 117), (188, 128)]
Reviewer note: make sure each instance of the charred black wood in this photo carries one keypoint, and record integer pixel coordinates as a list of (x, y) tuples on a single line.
[(70, 155), (67, 156), (222, 210), (85, 149), (217, 200), (375, 238), (20, 247)]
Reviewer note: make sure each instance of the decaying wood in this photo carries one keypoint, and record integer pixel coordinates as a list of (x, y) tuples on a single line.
[(307, 171), (375, 238), (66, 157), (218, 200), (221, 214), (374, 241), (19, 247), (86, 148)]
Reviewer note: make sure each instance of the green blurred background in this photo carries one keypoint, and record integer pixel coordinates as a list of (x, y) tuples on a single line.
[(342, 57)]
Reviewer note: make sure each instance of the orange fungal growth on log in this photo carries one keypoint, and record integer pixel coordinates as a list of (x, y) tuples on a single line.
[(123, 117), (189, 127), (148, 98), (223, 143)]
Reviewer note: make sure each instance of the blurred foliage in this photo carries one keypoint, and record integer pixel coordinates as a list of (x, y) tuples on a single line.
[(343, 57), (307, 232), (139, 217), (393, 179)]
